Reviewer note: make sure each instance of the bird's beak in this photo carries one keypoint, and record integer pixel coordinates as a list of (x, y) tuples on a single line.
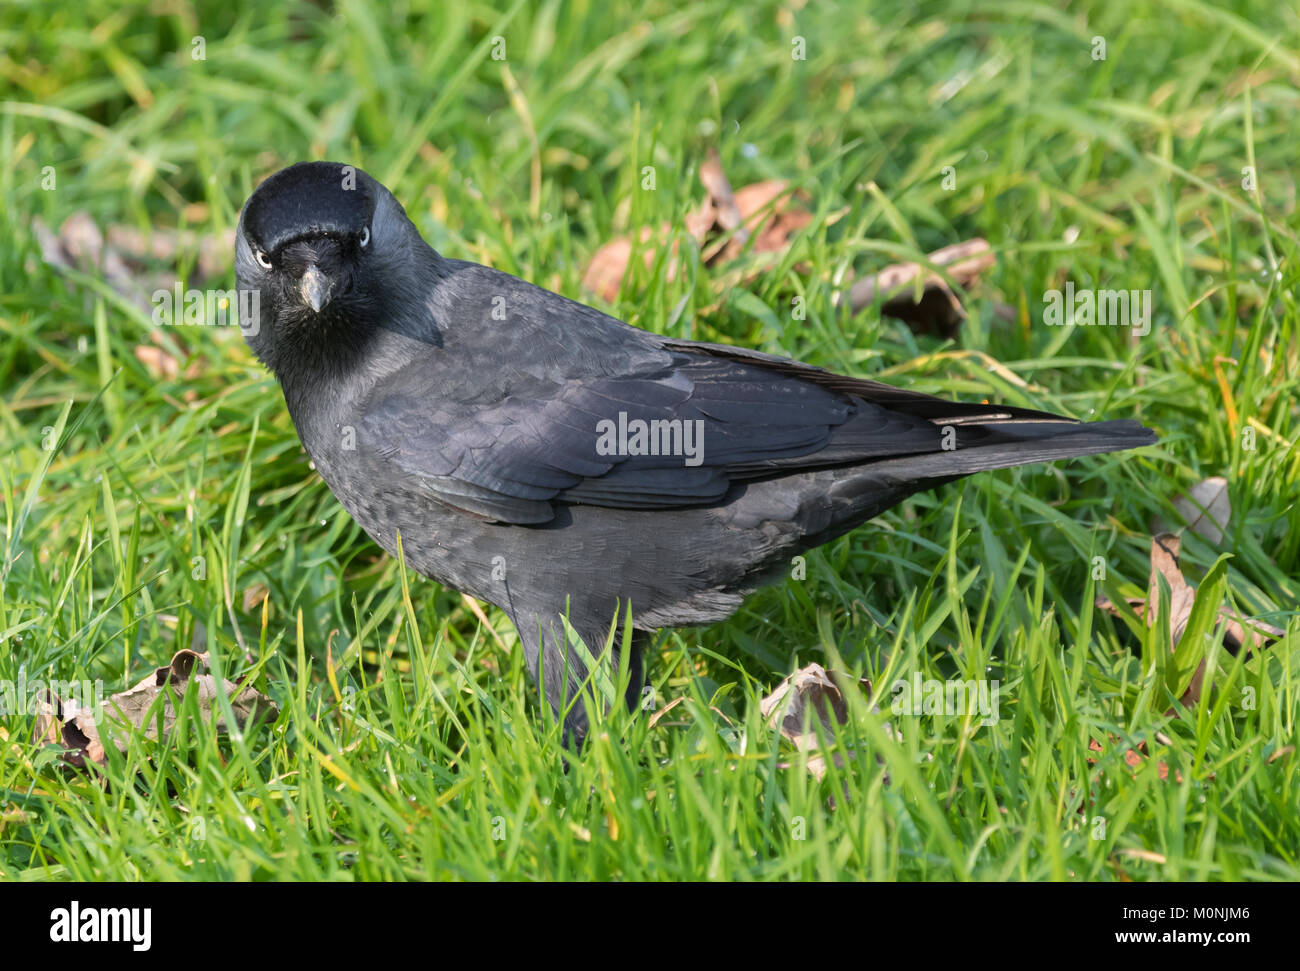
[(315, 288)]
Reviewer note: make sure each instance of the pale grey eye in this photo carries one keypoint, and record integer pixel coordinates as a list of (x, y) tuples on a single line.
[(365, 237), (261, 258)]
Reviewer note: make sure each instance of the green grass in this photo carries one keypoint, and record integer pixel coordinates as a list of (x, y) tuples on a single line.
[(410, 744)]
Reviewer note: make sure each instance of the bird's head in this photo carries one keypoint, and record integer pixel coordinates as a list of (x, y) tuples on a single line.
[(320, 243)]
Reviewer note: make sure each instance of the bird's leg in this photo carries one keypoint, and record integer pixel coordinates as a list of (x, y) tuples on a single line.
[(561, 660)]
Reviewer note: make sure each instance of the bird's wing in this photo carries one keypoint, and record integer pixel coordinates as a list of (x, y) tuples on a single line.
[(704, 422), (542, 387)]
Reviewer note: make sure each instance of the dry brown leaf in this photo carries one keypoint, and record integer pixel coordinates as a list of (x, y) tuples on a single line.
[(770, 215), (1182, 595), (79, 245), (86, 731), (938, 310), (131, 262), (1134, 759), (810, 692), (604, 274), (729, 217), (160, 365), (1256, 635), (254, 594), (763, 210), (1206, 509), (168, 245)]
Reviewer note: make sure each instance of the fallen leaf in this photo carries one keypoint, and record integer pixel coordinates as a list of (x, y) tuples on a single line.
[(608, 265), (1182, 595), (1134, 759), (160, 365), (254, 594), (133, 263), (1206, 509), (84, 732), (764, 211), (79, 245), (937, 310), (729, 217), (771, 215), (810, 692), (162, 245)]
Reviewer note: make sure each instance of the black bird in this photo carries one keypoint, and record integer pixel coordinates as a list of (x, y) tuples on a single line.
[(538, 454)]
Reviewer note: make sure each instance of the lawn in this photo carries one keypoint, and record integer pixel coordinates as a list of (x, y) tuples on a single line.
[(154, 495)]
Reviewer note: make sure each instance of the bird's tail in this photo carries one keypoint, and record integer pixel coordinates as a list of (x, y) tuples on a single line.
[(1002, 444), (859, 493)]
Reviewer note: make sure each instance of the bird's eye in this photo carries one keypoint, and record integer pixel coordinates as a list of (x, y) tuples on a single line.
[(365, 237), (262, 258)]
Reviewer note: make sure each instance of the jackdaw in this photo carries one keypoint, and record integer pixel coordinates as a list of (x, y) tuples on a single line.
[(538, 454)]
